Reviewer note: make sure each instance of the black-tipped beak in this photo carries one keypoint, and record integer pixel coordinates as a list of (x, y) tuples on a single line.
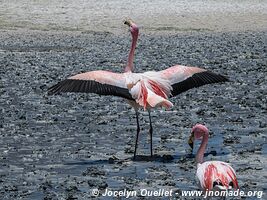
[(128, 22), (191, 140)]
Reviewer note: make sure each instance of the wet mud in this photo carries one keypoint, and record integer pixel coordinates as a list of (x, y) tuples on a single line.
[(61, 147)]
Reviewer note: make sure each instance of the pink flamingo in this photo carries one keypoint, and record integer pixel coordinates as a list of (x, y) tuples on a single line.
[(148, 90), (211, 174)]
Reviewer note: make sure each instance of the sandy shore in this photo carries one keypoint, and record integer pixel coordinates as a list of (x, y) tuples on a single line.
[(153, 17), (62, 147)]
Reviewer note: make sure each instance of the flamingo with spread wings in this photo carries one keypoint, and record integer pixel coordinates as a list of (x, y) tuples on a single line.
[(211, 174), (142, 90)]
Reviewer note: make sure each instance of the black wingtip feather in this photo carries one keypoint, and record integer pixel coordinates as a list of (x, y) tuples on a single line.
[(197, 80), (88, 86)]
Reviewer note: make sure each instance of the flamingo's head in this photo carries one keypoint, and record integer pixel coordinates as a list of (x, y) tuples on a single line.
[(197, 132), (133, 27)]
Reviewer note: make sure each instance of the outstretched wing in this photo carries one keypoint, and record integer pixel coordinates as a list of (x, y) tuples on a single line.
[(183, 78), (99, 82)]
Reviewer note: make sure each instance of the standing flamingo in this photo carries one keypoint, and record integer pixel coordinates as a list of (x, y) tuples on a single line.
[(148, 90), (211, 174)]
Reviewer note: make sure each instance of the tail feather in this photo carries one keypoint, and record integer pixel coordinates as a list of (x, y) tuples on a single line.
[(155, 100), (148, 93)]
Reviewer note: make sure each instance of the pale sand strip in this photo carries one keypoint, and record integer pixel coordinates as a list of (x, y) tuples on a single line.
[(152, 16)]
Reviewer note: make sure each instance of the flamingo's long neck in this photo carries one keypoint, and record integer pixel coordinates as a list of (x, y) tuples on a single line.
[(202, 148), (129, 66)]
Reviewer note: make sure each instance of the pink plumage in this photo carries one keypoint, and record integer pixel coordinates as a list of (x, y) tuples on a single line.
[(216, 174), (146, 90), (211, 174)]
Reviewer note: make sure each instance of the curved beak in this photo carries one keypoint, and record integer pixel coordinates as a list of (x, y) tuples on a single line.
[(191, 140), (128, 22)]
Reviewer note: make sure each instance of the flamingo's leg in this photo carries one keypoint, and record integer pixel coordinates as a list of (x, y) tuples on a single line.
[(137, 133), (150, 132)]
